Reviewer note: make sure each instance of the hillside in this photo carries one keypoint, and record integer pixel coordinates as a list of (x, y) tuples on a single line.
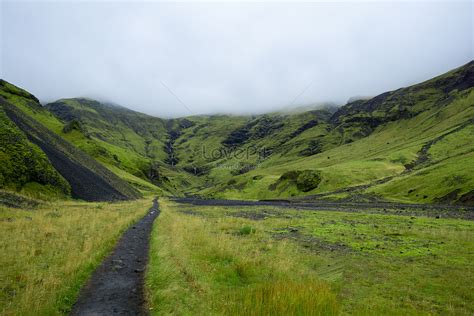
[(134, 145), (413, 144), (38, 161)]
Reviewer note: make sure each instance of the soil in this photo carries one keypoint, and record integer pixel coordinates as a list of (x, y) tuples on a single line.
[(389, 208), (117, 286)]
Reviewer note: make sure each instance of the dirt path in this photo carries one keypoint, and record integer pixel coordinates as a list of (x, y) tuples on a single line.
[(116, 287)]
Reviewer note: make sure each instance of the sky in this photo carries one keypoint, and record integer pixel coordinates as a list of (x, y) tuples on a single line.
[(177, 59)]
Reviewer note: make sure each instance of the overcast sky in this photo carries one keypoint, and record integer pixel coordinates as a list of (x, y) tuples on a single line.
[(175, 59)]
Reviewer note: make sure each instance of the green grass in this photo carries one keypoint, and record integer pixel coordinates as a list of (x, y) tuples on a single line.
[(200, 266), (429, 184), (270, 261), (49, 252)]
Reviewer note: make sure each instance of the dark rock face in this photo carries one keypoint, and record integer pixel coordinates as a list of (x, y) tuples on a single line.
[(315, 147), (62, 111), (172, 159), (467, 198), (461, 80), (303, 128), (85, 184), (367, 115), (237, 137), (185, 123), (258, 128), (449, 198)]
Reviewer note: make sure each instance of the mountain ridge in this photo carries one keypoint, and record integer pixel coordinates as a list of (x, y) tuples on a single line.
[(357, 145)]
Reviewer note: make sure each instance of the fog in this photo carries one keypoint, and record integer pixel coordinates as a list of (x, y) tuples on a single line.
[(176, 59)]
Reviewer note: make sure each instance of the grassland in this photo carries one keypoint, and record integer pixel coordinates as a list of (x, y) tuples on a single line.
[(263, 260), (49, 252)]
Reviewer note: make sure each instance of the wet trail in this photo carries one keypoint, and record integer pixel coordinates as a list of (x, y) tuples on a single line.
[(117, 285)]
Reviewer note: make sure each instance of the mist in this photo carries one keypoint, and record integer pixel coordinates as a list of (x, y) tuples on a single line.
[(179, 59)]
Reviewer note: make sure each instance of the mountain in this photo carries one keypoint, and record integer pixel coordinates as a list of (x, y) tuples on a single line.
[(37, 160), (413, 144)]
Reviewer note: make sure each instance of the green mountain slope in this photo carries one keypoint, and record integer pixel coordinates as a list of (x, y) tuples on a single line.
[(40, 158), (412, 144), (132, 144)]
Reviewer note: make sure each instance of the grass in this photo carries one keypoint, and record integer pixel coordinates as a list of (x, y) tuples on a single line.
[(49, 252), (269, 261), (213, 266), (282, 298)]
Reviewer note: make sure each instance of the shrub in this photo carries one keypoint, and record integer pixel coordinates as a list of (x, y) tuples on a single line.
[(73, 125), (308, 180), (305, 180), (246, 230)]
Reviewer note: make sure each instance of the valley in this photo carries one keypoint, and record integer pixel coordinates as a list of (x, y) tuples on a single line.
[(363, 208), (403, 145)]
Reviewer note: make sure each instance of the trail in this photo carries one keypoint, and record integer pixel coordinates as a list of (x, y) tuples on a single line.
[(116, 287)]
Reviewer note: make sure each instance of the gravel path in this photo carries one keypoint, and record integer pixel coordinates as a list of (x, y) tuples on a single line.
[(116, 287)]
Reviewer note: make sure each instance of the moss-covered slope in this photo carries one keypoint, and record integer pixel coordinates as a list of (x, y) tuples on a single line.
[(40, 156)]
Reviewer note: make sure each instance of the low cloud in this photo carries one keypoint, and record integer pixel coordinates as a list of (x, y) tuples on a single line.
[(175, 59)]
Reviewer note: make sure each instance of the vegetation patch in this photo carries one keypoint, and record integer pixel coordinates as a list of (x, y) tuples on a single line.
[(305, 180), (246, 230), (24, 162)]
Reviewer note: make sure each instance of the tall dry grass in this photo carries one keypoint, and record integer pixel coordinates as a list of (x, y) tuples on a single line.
[(48, 253), (308, 297), (207, 266)]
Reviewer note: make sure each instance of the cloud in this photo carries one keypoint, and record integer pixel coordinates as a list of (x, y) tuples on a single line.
[(228, 58)]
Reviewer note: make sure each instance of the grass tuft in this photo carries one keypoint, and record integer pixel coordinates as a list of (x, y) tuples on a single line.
[(283, 298)]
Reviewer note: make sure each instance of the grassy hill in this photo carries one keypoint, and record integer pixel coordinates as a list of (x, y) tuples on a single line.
[(133, 145), (412, 144), (40, 161)]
